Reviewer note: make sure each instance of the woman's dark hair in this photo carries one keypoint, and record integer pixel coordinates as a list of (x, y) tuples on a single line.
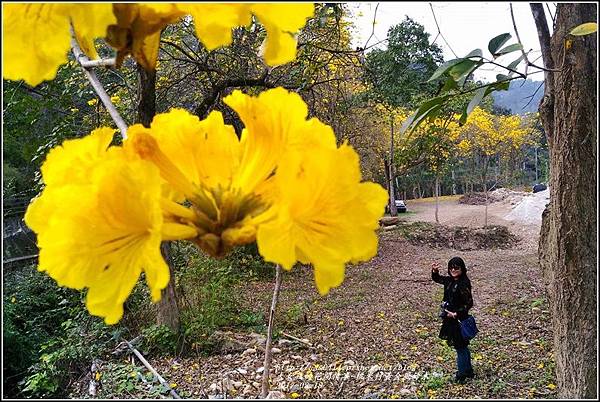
[(457, 262)]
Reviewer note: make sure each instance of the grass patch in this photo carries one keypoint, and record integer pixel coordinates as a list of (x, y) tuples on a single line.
[(432, 199)]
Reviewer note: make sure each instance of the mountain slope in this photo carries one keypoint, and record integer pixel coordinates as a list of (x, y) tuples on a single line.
[(518, 97)]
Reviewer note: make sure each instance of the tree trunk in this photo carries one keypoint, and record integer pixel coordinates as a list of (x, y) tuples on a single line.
[(146, 108), (393, 210), (437, 190), (168, 309), (536, 165), (567, 247), (453, 183), (485, 189)]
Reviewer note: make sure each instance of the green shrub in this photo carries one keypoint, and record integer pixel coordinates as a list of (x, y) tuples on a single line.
[(253, 320), (207, 289), (294, 316), (49, 337), (159, 339)]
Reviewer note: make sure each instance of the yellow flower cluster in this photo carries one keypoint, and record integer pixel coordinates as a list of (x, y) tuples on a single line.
[(37, 35), (491, 134), (284, 184)]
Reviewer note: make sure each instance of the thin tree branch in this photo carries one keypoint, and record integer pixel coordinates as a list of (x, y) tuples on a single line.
[(537, 9), (522, 75), (268, 351), (512, 16), (153, 371), (97, 85), (98, 63), (551, 16), (373, 30), (440, 32), (531, 97)]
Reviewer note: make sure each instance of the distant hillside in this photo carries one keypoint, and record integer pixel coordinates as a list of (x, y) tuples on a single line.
[(518, 95)]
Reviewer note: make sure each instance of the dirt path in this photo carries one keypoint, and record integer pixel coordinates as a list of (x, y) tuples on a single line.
[(376, 335)]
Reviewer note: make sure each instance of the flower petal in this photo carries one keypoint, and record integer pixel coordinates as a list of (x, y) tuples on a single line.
[(90, 21), (313, 218), (276, 244), (328, 276), (282, 21), (101, 234), (271, 120), (214, 22), (37, 36), (36, 41), (212, 147), (71, 162)]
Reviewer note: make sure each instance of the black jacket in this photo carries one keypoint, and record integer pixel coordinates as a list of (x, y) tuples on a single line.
[(458, 295)]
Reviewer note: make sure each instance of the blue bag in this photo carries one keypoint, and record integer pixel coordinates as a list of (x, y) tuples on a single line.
[(468, 328)]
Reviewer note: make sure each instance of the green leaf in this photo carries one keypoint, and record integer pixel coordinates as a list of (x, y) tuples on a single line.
[(474, 53), (584, 29), (449, 85), (461, 68), (502, 82), (489, 89), (479, 95), (443, 68), (422, 112), (462, 81), (497, 42), (510, 48), (430, 114), (515, 63), (463, 117)]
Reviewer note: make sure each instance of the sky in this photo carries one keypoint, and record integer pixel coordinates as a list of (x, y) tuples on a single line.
[(465, 26)]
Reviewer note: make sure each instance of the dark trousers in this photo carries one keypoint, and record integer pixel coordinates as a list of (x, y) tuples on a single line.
[(463, 361)]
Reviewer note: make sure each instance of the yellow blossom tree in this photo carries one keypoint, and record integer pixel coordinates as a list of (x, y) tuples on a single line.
[(486, 137)]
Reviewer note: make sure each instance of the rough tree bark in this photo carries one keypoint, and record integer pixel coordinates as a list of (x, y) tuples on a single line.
[(567, 247), (168, 309), (146, 108)]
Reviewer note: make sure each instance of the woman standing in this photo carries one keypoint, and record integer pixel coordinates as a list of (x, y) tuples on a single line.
[(455, 306)]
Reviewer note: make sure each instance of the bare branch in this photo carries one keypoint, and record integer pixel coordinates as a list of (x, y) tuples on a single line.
[(527, 62), (373, 30), (268, 351), (98, 63), (537, 9), (531, 96), (97, 85), (440, 32)]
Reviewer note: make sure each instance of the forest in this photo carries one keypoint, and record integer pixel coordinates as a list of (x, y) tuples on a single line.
[(143, 260)]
